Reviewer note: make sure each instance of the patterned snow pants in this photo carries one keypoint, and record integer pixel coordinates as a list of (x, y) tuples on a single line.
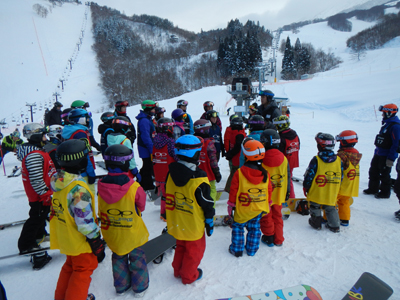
[(130, 271), (252, 238)]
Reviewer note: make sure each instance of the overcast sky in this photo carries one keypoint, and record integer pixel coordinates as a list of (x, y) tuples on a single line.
[(195, 15)]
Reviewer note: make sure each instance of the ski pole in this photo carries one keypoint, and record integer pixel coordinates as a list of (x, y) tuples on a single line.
[(2, 160)]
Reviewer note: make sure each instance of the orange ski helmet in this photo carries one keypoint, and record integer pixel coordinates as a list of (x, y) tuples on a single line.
[(347, 138), (253, 150), (389, 110)]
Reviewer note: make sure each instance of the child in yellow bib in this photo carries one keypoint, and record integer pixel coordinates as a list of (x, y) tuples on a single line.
[(322, 182), (121, 202), (250, 195), (351, 173), (73, 223)]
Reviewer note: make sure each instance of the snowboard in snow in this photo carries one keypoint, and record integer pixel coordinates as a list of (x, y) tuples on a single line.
[(285, 211), (155, 248), (298, 292), (43, 249), (101, 164), (223, 220), (15, 172), (292, 203), (369, 287)]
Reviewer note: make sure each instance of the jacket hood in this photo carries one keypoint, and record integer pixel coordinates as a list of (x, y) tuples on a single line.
[(181, 172), (252, 174), (24, 149), (103, 127), (349, 156), (113, 187), (289, 134), (142, 115), (70, 129), (327, 156), (273, 158), (62, 179), (115, 138), (394, 119)]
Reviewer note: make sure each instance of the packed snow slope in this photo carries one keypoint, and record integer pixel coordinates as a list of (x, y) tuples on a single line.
[(344, 98)]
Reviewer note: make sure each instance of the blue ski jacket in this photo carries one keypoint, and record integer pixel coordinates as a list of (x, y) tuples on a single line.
[(146, 131), (392, 125)]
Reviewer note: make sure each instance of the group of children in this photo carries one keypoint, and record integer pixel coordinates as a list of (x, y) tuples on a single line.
[(186, 171)]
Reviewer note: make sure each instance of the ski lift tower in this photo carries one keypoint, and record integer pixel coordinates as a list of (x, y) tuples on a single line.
[(30, 108), (243, 92)]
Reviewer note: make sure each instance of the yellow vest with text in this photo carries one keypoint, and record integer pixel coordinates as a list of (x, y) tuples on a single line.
[(251, 199), (279, 178), (63, 229), (185, 218), (326, 184), (121, 226), (351, 181)]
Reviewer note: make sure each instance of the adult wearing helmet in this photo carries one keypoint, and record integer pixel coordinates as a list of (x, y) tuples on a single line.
[(268, 108), (54, 134), (146, 133), (105, 129), (163, 156), (290, 145), (256, 125), (37, 170), (251, 182), (278, 167), (53, 117), (10, 143), (120, 111), (126, 236), (120, 127), (215, 132), (209, 105), (73, 222), (80, 104), (79, 120), (189, 207), (183, 104), (159, 113), (386, 145), (322, 181)]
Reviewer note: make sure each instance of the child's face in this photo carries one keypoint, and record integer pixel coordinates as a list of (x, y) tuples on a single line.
[(213, 120)]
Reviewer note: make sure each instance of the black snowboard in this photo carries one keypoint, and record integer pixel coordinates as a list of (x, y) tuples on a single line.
[(369, 287), (155, 248)]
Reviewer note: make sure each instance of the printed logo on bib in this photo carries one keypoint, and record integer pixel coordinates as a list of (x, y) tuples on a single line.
[(330, 177), (116, 218), (277, 180), (253, 195), (179, 202), (57, 210)]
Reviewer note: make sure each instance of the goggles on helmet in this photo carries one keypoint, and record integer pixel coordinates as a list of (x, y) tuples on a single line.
[(214, 114), (118, 121), (84, 106), (183, 103), (209, 103), (383, 108), (264, 93), (118, 158), (122, 103)]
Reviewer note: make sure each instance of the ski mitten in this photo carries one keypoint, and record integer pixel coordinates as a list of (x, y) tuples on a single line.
[(97, 245), (209, 226)]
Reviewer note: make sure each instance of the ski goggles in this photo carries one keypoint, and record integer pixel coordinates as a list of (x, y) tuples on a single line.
[(383, 108), (160, 110), (253, 108), (183, 103), (84, 106), (209, 103), (118, 121), (214, 114), (348, 137), (166, 124), (123, 103), (118, 158), (264, 93)]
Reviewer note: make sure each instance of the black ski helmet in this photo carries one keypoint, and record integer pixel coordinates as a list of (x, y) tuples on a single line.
[(118, 156), (107, 117), (72, 155), (58, 104), (256, 122), (237, 123), (121, 124), (64, 116), (37, 139), (211, 113), (270, 138), (325, 141), (165, 125)]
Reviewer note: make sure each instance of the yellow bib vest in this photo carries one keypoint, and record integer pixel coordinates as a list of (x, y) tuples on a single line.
[(351, 180), (185, 218), (63, 230), (326, 183), (279, 178), (122, 227), (251, 199)]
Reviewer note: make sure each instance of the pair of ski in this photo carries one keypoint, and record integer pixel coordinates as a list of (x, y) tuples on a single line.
[(15, 172), (367, 287)]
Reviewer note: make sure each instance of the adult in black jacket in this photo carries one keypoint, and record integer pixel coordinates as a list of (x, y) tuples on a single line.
[(53, 117), (268, 108)]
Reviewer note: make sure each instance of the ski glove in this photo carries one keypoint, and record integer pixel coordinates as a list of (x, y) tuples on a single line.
[(209, 226), (136, 173), (389, 163), (91, 179), (231, 208), (217, 174), (97, 245)]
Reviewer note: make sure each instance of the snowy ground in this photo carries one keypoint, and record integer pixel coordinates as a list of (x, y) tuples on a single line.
[(330, 102)]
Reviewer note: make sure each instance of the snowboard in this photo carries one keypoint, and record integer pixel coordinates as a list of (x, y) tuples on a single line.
[(223, 220), (15, 172), (369, 287), (102, 165), (292, 203), (155, 248), (43, 249), (6, 225), (285, 211), (298, 292)]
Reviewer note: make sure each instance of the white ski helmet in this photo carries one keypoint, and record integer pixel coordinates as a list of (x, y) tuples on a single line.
[(32, 128)]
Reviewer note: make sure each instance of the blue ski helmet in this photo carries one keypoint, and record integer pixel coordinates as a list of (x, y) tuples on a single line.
[(79, 116), (188, 146)]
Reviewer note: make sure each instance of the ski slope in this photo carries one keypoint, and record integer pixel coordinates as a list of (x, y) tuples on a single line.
[(343, 98)]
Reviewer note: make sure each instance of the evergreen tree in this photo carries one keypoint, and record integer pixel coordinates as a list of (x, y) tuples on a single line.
[(288, 68), (304, 64)]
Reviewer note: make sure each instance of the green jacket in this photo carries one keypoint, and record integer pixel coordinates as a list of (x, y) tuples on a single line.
[(9, 144)]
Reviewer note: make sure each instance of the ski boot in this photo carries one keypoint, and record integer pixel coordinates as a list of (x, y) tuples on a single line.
[(315, 222), (397, 215), (268, 240), (333, 229), (40, 260)]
